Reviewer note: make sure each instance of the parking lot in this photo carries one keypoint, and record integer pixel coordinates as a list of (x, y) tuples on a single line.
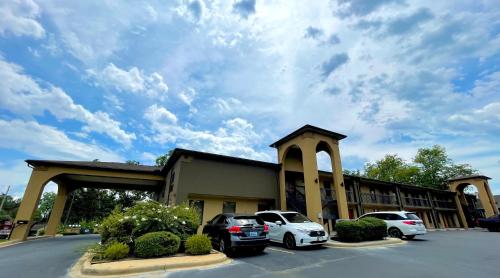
[(438, 254)]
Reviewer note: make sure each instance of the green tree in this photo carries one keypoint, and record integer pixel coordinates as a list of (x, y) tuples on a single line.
[(391, 168), (133, 162), (10, 206), (162, 159), (432, 163), (45, 205)]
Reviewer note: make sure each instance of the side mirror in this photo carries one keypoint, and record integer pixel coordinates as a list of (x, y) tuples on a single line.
[(278, 223)]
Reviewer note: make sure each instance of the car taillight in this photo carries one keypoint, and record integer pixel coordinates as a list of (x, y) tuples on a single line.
[(234, 229), (410, 222), (266, 228)]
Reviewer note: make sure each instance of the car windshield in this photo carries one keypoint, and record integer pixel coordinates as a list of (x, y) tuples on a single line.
[(248, 220), (412, 216), (296, 217)]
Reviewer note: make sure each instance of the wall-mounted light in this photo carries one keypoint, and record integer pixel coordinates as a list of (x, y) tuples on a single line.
[(316, 180), (342, 184)]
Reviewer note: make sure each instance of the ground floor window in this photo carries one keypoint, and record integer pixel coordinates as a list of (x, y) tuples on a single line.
[(229, 207), (198, 205)]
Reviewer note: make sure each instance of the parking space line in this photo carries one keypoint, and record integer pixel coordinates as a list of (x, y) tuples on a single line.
[(279, 250)]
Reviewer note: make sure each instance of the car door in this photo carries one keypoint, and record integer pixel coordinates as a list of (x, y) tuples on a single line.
[(209, 228), (270, 222)]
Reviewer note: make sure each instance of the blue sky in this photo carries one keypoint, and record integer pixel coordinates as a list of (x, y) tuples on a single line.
[(120, 80)]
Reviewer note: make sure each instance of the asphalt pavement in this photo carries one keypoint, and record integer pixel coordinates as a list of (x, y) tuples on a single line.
[(43, 257), (471, 254), (468, 254)]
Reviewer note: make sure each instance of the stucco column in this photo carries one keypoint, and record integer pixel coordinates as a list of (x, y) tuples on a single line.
[(490, 197), (441, 221), (426, 220), (460, 211), (485, 200), (57, 210), (39, 177), (311, 180), (282, 187), (338, 180)]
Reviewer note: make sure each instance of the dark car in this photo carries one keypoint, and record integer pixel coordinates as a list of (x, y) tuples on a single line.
[(229, 232), (491, 223)]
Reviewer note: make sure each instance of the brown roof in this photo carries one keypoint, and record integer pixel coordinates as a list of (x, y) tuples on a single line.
[(308, 128), (98, 165), (178, 152), (470, 177)]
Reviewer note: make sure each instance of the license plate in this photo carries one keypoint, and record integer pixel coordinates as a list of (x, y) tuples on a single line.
[(253, 234)]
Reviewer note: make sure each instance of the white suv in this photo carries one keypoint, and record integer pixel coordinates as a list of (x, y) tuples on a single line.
[(292, 228), (400, 223)]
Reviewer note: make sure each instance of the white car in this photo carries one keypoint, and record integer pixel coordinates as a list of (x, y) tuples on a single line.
[(292, 229), (400, 223)]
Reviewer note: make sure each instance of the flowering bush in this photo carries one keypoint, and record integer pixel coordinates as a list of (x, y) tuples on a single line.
[(146, 217)]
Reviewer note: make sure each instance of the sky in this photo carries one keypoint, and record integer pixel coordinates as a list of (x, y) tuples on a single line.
[(130, 80)]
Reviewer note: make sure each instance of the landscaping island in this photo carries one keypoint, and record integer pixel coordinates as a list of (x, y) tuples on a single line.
[(147, 237), (368, 231)]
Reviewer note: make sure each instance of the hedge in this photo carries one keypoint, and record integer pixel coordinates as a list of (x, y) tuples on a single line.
[(156, 244), (116, 251), (368, 228), (198, 245)]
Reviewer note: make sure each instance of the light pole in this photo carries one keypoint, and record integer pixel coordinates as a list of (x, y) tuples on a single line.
[(4, 197)]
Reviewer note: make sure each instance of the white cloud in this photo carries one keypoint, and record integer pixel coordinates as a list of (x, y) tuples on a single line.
[(487, 116), (47, 142), (159, 115), (19, 18), (187, 96), (131, 81), (235, 137), (24, 96)]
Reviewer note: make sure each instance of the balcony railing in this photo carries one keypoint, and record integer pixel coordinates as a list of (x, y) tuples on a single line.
[(380, 199), (444, 204), (415, 202), (350, 196)]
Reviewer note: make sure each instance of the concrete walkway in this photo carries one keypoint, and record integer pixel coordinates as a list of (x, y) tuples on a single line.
[(44, 257)]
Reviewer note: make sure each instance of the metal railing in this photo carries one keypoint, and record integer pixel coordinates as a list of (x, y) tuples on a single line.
[(444, 204), (382, 199), (350, 196), (415, 202)]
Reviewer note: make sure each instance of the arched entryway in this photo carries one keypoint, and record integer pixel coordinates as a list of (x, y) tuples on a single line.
[(468, 208), (298, 152), (70, 176)]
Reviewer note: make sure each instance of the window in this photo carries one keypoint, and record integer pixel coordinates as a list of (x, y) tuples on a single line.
[(412, 216), (214, 220), (296, 217), (198, 205), (229, 207), (248, 220), (271, 217), (221, 220)]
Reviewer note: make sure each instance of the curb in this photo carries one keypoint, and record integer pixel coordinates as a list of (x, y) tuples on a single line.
[(9, 243), (83, 267), (387, 241)]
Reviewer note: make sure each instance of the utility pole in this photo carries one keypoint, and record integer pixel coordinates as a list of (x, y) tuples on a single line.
[(4, 197)]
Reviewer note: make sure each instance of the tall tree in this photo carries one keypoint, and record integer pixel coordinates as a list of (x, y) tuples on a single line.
[(391, 168), (45, 205), (162, 159)]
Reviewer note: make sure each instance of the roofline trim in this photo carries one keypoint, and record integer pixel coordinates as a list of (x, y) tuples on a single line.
[(308, 128), (35, 162)]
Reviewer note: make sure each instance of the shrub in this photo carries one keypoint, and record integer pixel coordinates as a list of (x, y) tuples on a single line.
[(349, 231), (156, 244), (198, 245), (369, 228), (40, 232), (373, 228), (116, 251), (146, 217)]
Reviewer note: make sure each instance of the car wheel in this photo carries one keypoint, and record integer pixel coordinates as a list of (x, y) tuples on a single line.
[(223, 245), (395, 233), (410, 237), (289, 241), (259, 249)]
